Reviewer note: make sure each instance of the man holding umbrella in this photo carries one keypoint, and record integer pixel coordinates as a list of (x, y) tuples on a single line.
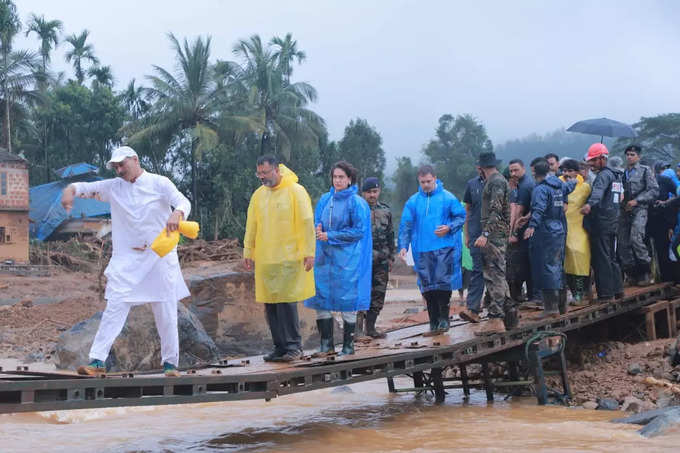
[(602, 217)]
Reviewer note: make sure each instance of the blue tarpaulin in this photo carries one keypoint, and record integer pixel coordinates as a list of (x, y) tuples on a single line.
[(46, 212)]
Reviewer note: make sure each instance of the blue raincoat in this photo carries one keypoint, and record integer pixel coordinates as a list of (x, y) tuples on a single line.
[(546, 246), (343, 264), (437, 259)]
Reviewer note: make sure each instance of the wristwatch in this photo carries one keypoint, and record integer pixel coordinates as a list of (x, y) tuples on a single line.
[(485, 233)]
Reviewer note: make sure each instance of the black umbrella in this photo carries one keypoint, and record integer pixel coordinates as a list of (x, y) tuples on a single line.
[(604, 127)]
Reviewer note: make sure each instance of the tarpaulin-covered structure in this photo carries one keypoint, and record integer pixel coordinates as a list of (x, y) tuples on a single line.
[(46, 212)]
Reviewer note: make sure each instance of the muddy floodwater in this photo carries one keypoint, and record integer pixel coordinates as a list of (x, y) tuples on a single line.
[(360, 418)]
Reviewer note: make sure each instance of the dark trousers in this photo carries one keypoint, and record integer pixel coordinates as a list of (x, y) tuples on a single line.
[(605, 266), (476, 285), (667, 268), (284, 325)]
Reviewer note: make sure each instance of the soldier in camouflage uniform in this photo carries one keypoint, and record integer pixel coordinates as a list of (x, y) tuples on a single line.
[(493, 242), (383, 256), (640, 190)]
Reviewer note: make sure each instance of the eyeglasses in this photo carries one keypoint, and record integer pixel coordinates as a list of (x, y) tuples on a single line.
[(261, 174)]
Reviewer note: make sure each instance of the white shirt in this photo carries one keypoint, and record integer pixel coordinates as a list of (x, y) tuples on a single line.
[(139, 212)]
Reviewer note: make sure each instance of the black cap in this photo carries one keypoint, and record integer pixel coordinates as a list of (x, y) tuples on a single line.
[(488, 160), (370, 183), (660, 165)]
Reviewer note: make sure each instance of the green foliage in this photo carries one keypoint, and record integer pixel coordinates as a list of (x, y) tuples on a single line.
[(362, 147), (456, 149), (659, 136)]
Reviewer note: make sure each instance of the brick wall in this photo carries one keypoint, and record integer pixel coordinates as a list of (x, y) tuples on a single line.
[(14, 176), (14, 244)]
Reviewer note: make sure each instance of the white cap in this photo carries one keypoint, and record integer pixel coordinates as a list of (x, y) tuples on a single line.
[(118, 154)]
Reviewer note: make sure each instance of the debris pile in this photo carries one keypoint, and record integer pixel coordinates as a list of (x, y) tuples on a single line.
[(224, 250)]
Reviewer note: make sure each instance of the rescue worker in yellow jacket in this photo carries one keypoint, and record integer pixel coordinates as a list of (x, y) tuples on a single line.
[(577, 253), (280, 243)]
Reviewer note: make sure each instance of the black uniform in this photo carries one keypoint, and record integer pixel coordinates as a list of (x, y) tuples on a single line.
[(602, 226)]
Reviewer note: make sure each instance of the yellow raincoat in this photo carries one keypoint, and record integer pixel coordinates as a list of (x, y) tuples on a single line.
[(577, 253), (279, 234)]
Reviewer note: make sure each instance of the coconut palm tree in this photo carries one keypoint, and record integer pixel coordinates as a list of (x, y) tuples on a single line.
[(282, 105), (17, 77), (133, 98), (186, 103), (80, 52)]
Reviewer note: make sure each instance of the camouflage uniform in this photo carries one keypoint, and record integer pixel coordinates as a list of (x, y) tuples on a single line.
[(496, 228), (639, 184), (383, 253)]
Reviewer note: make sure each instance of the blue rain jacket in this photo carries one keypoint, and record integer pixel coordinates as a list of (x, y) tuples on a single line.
[(343, 264), (437, 259), (546, 247)]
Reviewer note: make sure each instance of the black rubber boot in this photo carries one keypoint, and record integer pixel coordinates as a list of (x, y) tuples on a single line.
[(516, 290), (433, 314), (348, 338), (562, 302), (511, 318), (371, 318), (551, 299), (327, 347), (444, 308)]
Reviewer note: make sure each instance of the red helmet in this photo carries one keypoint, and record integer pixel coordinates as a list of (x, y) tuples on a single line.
[(596, 150)]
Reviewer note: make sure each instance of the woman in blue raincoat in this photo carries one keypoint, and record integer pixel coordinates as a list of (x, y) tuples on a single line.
[(344, 249)]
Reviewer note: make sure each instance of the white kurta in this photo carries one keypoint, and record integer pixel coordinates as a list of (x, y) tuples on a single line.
[(139, 212)]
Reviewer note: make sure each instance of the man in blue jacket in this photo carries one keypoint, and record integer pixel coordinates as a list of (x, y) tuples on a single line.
[(430, 224), (547, 232)]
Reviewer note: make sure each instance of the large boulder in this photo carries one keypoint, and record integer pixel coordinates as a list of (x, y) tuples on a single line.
[(138, 346), (224, 301)]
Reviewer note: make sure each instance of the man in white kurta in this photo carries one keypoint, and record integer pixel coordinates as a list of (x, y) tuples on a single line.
[(141, 206)]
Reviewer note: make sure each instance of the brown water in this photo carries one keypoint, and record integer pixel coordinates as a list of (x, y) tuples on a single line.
[(360, 418)]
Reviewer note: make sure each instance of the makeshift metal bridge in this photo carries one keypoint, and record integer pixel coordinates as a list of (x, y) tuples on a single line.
[(428, 361)]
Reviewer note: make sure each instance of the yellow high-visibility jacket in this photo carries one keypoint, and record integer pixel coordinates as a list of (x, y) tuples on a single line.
[(577, 252), (279, 234)]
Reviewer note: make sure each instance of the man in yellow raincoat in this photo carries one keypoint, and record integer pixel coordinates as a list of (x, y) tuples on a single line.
[(280, 243), (577, 253)]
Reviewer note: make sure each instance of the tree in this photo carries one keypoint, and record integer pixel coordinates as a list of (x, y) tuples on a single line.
[(285, 52), (48, 34), (456, 149), (281, 105), (361, 145), (659, 135), (405, 180), (80, 52), (185, 104), (133, 97), (101, 75)]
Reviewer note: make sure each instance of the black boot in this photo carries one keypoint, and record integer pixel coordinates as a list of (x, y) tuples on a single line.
[(371, 318), (516, 290), (348, 338), (644, 272), (432, 313), (327, 347), (511, 318), (550, 303), (444, 308), (562, 302)]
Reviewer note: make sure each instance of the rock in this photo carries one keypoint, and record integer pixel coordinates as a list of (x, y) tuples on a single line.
[(642, 418), (634, 368), (342, 389), (663, 399), (225, 304), (661, 423), (607, 404), (137, 348), (632, 404), (592, 405)]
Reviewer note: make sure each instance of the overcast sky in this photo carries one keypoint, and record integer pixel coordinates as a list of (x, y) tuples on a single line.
[(518, 66)]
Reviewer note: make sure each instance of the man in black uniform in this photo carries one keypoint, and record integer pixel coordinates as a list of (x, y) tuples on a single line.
[(602, 218)]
